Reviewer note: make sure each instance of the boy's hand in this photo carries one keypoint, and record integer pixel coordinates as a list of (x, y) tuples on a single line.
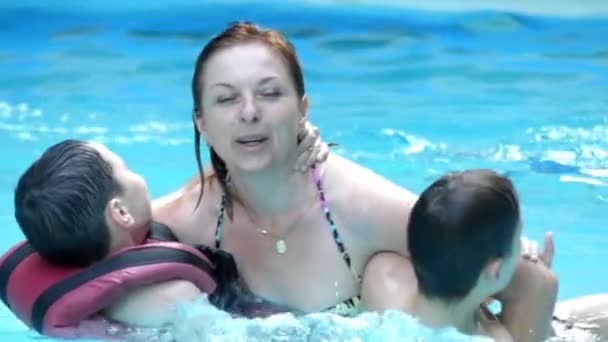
[(530, 250), (529, 299), (311, 149)]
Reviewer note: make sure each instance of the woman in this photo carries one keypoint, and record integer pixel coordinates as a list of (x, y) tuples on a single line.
[(299, 240), (249, 102)]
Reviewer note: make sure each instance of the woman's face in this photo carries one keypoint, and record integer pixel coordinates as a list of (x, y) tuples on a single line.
[(250, 110)]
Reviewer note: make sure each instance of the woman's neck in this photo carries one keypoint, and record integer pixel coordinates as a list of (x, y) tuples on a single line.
[(272, 198)]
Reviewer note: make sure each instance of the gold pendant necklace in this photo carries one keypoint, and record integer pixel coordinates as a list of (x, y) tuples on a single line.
[(280, 246)]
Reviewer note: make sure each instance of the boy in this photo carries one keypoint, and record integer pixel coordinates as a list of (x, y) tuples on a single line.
[(464, 239), (79, 203)]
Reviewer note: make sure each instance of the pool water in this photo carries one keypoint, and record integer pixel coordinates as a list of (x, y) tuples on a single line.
[(410, 94)]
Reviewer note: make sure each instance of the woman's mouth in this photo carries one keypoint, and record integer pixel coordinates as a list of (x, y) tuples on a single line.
[(252, 141)]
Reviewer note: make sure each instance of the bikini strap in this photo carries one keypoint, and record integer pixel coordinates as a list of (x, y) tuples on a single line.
[(219, 227), (327, 213), (331, 225)]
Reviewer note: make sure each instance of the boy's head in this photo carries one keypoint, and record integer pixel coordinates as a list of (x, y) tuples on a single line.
[(79, 202), (464, 230)]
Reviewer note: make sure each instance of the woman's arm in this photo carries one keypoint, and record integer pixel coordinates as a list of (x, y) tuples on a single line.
[(153, 305), (529, 300), (374, 210)]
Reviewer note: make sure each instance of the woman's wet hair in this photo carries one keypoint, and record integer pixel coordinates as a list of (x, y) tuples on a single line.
[(459, 224), (236, 34)]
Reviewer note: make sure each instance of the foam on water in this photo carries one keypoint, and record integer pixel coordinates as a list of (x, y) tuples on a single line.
[(24, 124), (582, 147), (584, 180), (577, 148), (201, 322)]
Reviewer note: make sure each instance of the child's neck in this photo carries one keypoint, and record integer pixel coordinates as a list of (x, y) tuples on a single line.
[(461, 314), (121, 238)]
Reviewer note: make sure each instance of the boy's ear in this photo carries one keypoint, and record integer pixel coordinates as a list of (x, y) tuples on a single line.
[(492, 269), (119, 214)]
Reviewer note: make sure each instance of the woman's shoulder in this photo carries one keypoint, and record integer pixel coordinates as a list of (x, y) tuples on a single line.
[(365, 194), (186, 207), (177, 198), (366, 182), (370, 206)]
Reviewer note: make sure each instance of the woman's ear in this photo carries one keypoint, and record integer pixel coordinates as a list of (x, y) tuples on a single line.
[(304, 106), (199, 123)]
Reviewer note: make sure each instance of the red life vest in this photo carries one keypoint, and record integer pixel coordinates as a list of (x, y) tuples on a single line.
[(66, 301)]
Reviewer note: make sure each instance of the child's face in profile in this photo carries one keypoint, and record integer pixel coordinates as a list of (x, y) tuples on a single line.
[(135, 196)]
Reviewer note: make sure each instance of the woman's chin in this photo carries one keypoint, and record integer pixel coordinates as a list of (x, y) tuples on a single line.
[(253, 164)]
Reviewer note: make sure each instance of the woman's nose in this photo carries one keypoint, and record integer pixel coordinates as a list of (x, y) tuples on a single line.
[(250, 110)]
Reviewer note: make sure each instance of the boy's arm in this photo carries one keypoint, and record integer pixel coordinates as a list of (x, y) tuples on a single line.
[(152, 305)]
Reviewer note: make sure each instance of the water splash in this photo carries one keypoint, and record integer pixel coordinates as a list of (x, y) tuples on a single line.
[(415, 144), (508, 153), (575, 147), (200, 322), (23, 123), (584, 180)]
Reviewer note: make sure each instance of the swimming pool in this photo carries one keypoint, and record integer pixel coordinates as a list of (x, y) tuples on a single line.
[(410, 94)]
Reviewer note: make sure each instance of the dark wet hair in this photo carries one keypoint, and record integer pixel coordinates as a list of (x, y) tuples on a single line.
[(460, 223), (237, 33), (60, 204)]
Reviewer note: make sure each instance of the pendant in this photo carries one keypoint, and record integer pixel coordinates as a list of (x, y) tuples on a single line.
[(281, 246)]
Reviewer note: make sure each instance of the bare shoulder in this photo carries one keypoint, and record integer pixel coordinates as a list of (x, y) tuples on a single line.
[(366, 180), (389, 282), (170, 200), (163, 206), (375, 208), (170, 209), (186, 212)]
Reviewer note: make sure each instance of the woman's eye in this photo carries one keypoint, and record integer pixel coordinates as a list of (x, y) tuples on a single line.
[(226, 99), (271, 93)]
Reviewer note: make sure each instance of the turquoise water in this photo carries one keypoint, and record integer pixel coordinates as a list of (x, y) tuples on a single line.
[(410, 94)]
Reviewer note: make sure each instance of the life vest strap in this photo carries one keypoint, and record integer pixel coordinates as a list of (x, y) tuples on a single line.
[(9, 264), (117, 262)]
